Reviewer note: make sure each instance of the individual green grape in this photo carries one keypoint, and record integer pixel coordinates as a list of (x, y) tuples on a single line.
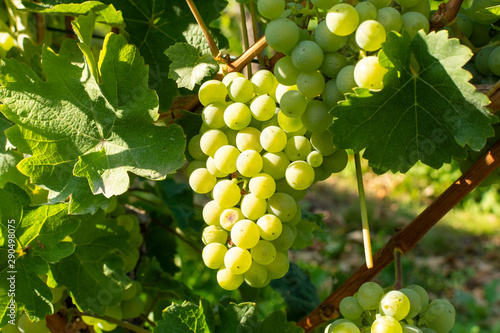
[(129, 291), (333, 62), (368, 73), (249, 139), (381, 3), (293, 104), (422, 7), (212, 212), (214, 234), (240, 90), (411, 329), (480, 35), (366, 11), (262, 186), (281, 90), (345, 327), (299, 175), (127, 221), (327, 40), (390, 18), (350, 308), (415, 302), (345, 80), (307, 56), (256, 276), (263, 253), (213, 115), (311, 84), (424, 297), (316, 118), (270, 227), (253, 207), (279, 266), (296, 218), (271, 9), (249, 163), (465, 25), (282, 205), (413, 22), (213, 255), (25, 325), (370, 35), (297, 148), (245, 234), (194, 148), (227, 193), (237, 260), (263, 108), (386, 324), (228, 280), (273, 139), (225, 158), (331, 95), (263, 82), (113, 312), (494, 61), (395, 304), (275, 164), (285, 71), (439, 316), (229, 217), (289, 125), (335, 323), (324, 4), (369, 295), (202, 181), (283, 186), (342, 19), (237, 116), (212, 168), (282, 35), (322, 142), (132, 308), (285, 239), (314, 159), (335, 162), (212, 140), (212, 91), (9, 328), (229, 77)]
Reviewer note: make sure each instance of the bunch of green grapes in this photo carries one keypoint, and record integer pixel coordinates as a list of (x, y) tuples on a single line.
[(407, 310), (339, 54), (255, 160)]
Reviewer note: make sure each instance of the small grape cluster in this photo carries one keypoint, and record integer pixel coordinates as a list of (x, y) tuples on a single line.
[(407, 310), (341, 51), (255, 162)]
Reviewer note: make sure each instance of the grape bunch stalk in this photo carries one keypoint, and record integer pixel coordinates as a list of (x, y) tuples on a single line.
[(408, 310), (255, 161)]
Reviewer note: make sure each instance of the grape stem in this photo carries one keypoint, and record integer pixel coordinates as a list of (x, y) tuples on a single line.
[(211, 43), (398, 281), (364, 213), (253, 15), (244, 30), (406, 238), (118, 322), (446, 13)]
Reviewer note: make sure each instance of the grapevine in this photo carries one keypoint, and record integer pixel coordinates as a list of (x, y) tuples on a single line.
[(137, 149)]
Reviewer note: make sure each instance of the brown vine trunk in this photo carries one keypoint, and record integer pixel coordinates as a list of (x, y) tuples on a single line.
[(406, 238)]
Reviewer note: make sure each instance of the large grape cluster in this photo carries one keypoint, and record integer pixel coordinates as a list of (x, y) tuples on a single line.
[(407, 310), (255, 161)]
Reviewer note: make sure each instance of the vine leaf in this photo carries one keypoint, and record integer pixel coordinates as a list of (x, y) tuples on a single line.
[(238, 318), (94, 273), (9, 158), (104, 13), (102, 131), (189, 65), (39, 232), (427, 110), (187, 317)]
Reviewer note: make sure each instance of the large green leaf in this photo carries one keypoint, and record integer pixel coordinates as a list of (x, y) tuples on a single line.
[(8, 158), (102, 131), (39, 233), (187, 317), (94, 273), (426, 112)]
